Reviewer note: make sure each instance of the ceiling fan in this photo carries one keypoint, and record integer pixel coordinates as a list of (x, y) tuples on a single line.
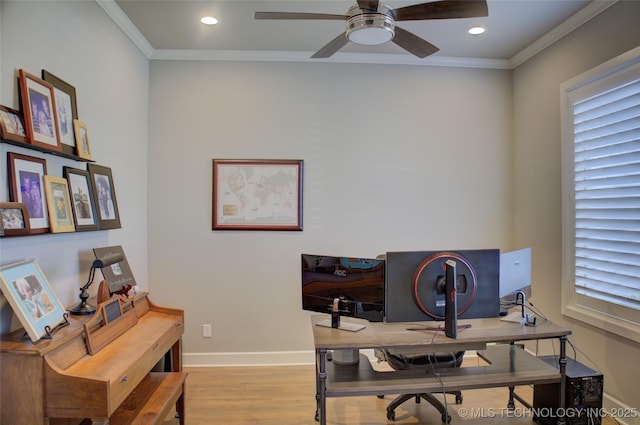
[(371, 22)]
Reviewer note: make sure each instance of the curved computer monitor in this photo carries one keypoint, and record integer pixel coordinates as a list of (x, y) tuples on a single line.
[(359, 282), (415, 284)]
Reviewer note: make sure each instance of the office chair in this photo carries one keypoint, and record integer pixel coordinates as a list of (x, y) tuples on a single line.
[(427, 361)]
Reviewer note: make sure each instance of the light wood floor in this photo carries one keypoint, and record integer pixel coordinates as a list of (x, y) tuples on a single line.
[(285, 395)]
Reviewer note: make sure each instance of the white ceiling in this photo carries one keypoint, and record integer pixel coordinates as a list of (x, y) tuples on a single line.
[(171, 29)]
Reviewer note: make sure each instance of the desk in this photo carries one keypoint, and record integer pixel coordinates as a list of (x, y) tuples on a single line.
[(57, 381), (510, 366)]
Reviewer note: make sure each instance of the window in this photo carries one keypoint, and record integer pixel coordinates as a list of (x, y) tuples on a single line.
[(601, 196)]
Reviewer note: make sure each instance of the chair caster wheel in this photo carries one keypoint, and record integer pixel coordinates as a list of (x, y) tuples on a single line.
[(446, 418), (459, 399), (381, 397), (391, 415)]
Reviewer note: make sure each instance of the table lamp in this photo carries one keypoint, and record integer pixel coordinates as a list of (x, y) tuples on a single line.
[(84, 308)]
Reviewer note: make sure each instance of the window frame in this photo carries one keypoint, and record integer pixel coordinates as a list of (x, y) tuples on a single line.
[(610, 317)]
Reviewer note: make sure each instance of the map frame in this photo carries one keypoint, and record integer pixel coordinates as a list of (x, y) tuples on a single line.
[(257, 194)]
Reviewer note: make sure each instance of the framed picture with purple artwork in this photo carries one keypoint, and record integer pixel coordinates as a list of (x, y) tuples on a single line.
[(26, 185), (40, 115)]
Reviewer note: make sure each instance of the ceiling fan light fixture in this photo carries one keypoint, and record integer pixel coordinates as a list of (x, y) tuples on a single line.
[(370, 28)]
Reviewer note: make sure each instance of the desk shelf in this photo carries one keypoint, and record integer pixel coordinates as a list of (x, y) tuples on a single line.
[(509, 366)]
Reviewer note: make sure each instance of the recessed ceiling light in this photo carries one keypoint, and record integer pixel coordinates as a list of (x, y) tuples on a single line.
[(475, 30), (209, 20)]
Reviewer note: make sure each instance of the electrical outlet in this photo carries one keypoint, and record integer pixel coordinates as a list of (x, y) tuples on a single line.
[(206, 331)]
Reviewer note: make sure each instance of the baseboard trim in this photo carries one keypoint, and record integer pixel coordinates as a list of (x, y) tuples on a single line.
[(621, 412), (263, 358)]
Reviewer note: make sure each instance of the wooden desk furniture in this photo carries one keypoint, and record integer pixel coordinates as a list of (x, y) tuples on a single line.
[(509, 366), (57, 382)]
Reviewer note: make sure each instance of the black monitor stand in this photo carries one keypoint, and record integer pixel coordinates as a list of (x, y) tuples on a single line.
[(451, 304)]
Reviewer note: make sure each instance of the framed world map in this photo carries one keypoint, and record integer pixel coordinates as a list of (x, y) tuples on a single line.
[(257, 194)]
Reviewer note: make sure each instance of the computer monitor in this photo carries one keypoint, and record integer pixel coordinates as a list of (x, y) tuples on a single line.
[(515, 276), (515, 271), (358, 282), (415, 284)]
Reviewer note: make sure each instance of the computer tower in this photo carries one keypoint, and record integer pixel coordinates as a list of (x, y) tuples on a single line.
[(583, 396)]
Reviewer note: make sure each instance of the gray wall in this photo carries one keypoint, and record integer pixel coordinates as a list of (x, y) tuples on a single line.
[(396, 158), (537, 165), (79, 43)]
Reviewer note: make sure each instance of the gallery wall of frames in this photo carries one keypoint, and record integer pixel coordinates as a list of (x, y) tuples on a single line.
[(46, 123)]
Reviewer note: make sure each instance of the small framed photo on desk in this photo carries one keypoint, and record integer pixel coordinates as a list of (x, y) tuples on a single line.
[(111, 310)]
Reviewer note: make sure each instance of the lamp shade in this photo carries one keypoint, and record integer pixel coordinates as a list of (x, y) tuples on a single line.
[(107, 261)]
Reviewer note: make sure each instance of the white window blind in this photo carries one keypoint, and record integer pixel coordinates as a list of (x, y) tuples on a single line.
[(601, 196), (607, 195)]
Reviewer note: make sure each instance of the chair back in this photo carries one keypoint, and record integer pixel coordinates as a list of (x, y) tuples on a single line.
[(405, 360)]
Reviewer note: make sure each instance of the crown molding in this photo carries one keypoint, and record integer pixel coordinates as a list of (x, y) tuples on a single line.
[(122, 20), (369, 58), (581, 17)]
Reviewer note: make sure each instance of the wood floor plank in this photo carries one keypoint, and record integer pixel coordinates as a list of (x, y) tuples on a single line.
[(285, 395)]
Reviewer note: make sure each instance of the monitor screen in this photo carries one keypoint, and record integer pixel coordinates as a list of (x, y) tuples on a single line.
[(415, 284), (515, 276), (515, 271), (359, 282)]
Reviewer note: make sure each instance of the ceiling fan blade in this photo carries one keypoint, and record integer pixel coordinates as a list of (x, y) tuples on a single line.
[(299, 15), (368, 5), (331, 47), (413, 44), (444, 9)]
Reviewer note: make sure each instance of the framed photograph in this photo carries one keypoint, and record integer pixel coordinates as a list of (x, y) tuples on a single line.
[(83, 204), (31, 298), (40, 117), (83, 148), (257, 194), (111, 311), (26, 185), (11, 125), (66, 110), (104, 194), (15, 219), (118, 275), (60, 215)]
